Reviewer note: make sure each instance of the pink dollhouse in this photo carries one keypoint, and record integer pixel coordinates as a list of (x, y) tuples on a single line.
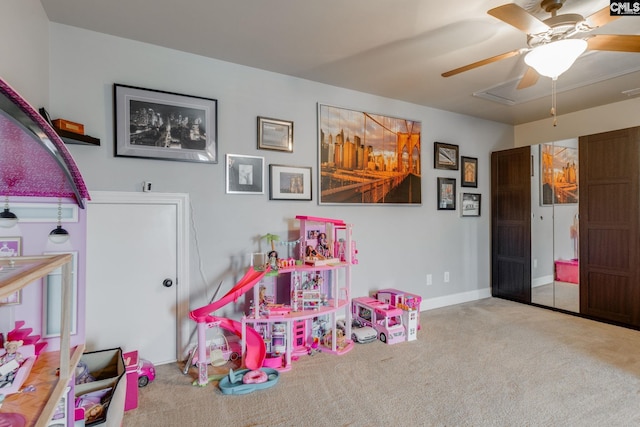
[(293, 312), (37, 177)]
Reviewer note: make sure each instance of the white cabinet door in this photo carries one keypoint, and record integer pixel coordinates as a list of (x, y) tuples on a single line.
[(131, 256)]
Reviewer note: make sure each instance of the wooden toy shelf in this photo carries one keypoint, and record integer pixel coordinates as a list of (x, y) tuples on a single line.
[(39, 406)]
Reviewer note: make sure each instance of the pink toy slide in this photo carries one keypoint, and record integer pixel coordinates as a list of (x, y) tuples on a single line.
[(256, 350)]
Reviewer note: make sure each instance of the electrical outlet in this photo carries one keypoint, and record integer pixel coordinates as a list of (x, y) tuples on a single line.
[(429, 280), (446, 277), (146, 186), (535, 263)]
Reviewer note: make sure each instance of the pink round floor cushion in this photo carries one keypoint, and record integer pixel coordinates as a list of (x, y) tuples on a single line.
[(256, 376)]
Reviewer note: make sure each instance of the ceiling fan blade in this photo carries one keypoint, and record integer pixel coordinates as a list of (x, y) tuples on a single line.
[(529, 79), (614, 42), (518, 17), (601, 17), (483, 62)]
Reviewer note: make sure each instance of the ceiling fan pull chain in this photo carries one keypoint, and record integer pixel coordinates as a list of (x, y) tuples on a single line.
[(553, 102)]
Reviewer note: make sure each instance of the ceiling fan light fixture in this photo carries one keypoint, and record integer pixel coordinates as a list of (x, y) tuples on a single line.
[(553, 59)]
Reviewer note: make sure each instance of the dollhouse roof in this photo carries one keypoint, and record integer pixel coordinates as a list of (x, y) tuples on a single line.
[(33, 159)]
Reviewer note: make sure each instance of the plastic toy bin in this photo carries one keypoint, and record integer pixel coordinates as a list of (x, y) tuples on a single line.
[(567, 271), (109, 386)]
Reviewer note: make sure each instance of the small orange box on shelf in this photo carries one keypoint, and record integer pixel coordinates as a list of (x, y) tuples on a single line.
[(69, 126)]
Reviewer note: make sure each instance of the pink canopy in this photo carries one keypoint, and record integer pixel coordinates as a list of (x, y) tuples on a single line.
[(33, 159)]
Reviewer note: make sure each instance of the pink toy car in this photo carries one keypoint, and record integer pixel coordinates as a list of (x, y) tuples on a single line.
[(146, 372)]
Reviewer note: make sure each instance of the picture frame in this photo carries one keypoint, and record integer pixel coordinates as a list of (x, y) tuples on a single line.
[(470, 204), (155, 124), (559, 170), (274, 134), (445, 156), (11, 247), (244, 174), (469, 172), (289, 182), (368, 159), (446, 194)]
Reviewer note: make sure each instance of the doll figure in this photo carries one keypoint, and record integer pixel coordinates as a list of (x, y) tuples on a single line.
[(312, 253), (273, 260), (12, 354), (323, 246)]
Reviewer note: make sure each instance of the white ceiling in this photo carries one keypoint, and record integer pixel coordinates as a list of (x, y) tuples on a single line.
[(393, 48)]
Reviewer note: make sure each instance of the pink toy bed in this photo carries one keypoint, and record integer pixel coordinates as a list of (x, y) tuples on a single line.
[(28, 352)]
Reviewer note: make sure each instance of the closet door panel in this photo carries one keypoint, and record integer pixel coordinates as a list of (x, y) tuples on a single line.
[(609, 226), (608, 297), (511, 224)]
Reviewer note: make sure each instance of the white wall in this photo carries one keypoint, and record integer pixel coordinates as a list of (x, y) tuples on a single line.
[(397, 245), (24, 31), (619, 115)]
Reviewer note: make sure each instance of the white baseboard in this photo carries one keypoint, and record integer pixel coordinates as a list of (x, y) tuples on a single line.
[(448, 300)]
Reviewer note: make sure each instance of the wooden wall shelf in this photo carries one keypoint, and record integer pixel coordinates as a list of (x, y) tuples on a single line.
[(76, 138)]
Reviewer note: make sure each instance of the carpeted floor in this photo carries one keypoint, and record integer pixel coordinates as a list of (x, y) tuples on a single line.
[(486, 363)]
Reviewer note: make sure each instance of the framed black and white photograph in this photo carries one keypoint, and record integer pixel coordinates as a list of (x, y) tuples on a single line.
[(470, 204), (289, 182), (469, 172), (445, 156), (446, 194), (274, 134), (154, 124), (245, 174)]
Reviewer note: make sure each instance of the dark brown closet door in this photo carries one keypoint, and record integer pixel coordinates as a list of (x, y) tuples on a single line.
[(511, 224), (609, 216)]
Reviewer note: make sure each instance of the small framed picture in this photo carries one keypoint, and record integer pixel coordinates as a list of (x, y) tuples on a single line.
[(446, 194), (245, 174), (469, 172), (289, 182), (445, 156), (274, 134), (10, 247), (470, 203)]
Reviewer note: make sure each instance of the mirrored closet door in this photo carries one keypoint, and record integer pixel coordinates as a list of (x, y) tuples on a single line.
[(554, 225)]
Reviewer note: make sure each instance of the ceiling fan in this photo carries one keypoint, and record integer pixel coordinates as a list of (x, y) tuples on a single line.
[(567, 29)]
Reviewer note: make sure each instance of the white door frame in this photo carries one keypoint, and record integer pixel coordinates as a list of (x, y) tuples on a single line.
[(181, 201)]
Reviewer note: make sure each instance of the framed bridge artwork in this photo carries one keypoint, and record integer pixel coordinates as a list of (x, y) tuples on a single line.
[(558, 174), (367, 158)]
